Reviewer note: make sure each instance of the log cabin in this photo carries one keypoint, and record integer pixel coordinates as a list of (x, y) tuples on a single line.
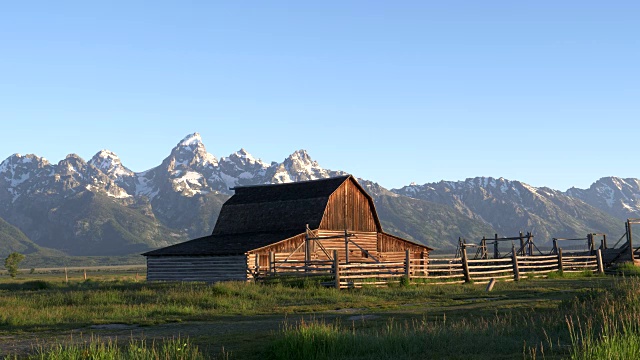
[(294, 223)]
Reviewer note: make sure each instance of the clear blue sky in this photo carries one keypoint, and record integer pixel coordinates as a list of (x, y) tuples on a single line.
[(546, 92)]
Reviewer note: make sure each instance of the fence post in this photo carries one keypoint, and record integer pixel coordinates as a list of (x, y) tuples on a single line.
[(336, 268), (272, 262), (465, 265), (630, 240), (407, 264), (560, 268), (600, 263), (346, 247), (514, 258), (257, 267)]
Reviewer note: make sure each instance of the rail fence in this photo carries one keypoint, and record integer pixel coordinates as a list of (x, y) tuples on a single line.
[(435, 271)]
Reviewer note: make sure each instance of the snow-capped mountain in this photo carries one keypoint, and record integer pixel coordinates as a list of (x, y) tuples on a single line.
[(616, 196), (109, 163), (513, 206), (300, 167), (76, 206), (184, 192), (29, 175), (102, 207), (190, 170)]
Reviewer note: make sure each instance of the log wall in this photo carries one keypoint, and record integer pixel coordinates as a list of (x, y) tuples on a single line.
[(197, 268), (363, 247)]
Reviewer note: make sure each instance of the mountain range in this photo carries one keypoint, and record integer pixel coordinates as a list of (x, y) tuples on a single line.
[(102, 208)]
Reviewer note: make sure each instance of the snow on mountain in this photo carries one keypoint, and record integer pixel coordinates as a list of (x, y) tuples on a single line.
[(512, 206), (300, 167), (189, 170), (240, 168), (19, 175), (109, 163), (187, 189), (618, 196), (30, 175)]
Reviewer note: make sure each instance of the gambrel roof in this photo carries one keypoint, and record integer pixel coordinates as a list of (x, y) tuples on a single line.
[(257, 216)]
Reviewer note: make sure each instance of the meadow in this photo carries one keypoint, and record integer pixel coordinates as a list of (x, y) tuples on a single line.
[(113, 316)]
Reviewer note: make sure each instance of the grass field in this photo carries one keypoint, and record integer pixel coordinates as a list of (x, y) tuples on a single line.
[(578, 318)]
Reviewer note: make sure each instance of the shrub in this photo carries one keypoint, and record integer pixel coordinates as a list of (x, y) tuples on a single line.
[(11, 263)]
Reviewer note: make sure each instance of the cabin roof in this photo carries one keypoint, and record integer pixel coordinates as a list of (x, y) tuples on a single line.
[(233, 244)]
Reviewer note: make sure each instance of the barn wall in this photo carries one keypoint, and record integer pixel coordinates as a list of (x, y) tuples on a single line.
[(197, 268), (284, 246), (382, 246), (359, 211), (392, 248), (365, 240)]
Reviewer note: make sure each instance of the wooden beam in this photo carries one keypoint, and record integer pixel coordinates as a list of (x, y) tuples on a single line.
[(465, 265), (336, 269), (407, 264), (600, 263), (365, 251), (630, 239), (514, 258), (346, 246), (560, 267)]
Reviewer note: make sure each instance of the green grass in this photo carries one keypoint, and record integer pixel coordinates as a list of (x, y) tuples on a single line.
[(107, 349), (420, 338), (600, 323), (628, 269), (525, 319), (42, 304)]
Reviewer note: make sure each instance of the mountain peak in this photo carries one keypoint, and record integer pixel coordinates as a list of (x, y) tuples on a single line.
[(301, 154), (73, 156), (244, 156), (191, 140), (243, 153), (190, 146), (109, 163), (17, 159), (105, 154), (301, 157)]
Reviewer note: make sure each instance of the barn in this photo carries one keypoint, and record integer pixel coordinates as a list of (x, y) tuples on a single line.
[(296, 223)]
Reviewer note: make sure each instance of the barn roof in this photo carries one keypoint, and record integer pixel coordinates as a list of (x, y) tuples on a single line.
[(235, 244), (276, 208), (257, 216)]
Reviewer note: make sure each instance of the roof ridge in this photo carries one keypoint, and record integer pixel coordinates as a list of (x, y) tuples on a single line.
[(344, 177)]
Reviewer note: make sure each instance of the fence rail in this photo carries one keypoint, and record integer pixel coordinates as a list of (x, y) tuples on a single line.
[(435, 271)]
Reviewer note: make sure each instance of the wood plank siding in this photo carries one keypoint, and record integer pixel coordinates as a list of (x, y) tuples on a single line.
[(349, 207), (197, 268), (363, 247)]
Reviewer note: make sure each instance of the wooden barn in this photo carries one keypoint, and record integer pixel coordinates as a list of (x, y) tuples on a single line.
[(296, 224)]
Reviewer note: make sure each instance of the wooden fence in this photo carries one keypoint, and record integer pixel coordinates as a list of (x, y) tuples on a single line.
[(437, 270)]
